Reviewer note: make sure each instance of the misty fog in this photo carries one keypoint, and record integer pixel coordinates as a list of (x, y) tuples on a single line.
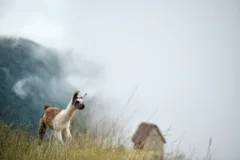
[(182, 57)]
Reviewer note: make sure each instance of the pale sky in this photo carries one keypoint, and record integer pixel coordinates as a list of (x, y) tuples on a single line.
[(183, 55)]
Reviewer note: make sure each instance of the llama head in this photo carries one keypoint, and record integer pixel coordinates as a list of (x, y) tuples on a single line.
[(77, 101)]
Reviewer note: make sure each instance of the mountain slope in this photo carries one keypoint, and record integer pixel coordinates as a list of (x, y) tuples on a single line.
[(27, 79)]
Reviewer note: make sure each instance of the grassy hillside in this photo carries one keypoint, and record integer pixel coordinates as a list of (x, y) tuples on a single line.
[(15, 143)]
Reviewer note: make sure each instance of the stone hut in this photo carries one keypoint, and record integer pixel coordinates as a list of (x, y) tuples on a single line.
[(149, 137)]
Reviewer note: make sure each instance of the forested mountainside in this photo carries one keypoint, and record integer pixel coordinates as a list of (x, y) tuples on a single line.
[(26, 80)]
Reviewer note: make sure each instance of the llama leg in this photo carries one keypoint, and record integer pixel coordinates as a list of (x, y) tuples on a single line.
[(64, 135), (57, 136), (51, 139), (67, 135)]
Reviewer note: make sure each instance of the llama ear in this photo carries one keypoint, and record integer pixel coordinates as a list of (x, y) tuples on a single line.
[(75, 95), (84, 94)]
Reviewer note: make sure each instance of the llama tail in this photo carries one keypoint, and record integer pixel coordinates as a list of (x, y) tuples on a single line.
[(41, 130), (46, 106)]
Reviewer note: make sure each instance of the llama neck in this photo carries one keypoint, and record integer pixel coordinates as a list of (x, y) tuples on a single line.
[(70, 110)]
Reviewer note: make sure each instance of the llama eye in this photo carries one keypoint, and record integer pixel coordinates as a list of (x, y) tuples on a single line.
[(77, 102)]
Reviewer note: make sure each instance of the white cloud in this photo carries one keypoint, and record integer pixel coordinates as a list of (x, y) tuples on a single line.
[(21, 87)]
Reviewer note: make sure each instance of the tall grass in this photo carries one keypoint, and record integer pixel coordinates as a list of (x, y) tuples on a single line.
[(18, 144)]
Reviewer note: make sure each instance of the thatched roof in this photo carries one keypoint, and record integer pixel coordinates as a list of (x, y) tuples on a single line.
[(143, 131)]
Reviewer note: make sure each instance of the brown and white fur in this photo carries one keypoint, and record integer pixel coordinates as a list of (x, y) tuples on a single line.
[(59, 119)]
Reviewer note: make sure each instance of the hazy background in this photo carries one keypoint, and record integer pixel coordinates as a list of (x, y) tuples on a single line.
[(183, 55)]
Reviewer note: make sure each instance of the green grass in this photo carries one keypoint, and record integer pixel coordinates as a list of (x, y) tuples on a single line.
[(18, 144)]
